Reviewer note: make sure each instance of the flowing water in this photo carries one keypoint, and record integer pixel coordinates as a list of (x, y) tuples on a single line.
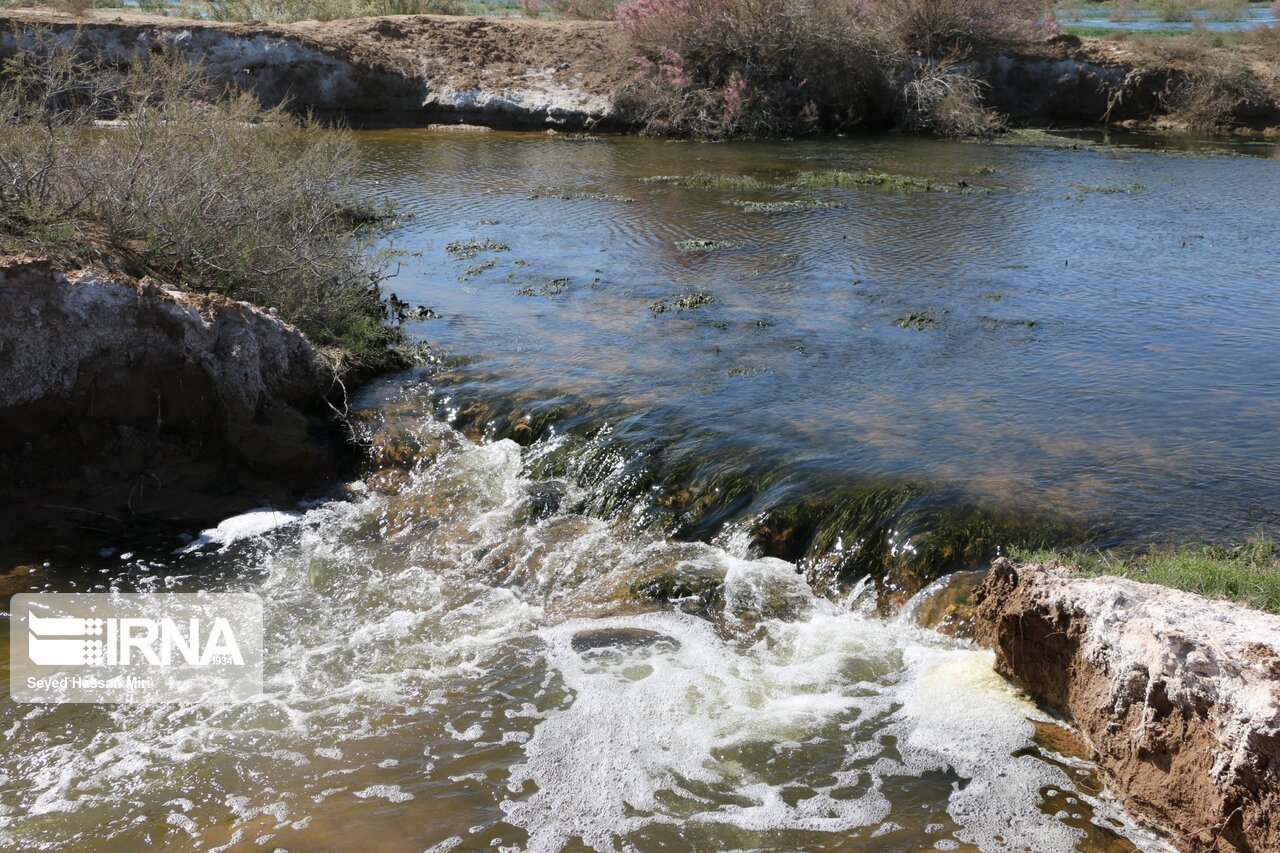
[(550, 620)]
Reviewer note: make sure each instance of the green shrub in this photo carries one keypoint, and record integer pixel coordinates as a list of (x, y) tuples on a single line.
[(200, 187)]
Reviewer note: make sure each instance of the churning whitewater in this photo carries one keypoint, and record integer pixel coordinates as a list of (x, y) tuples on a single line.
[(459, 662)]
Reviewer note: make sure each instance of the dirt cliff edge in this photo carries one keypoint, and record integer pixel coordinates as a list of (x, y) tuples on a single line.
[(125, 401), (1178, 695)]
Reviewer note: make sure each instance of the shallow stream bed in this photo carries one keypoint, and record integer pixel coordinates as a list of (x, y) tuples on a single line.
[(549, 621)]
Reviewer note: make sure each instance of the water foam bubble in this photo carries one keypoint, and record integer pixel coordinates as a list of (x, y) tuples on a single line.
[(255, 522)]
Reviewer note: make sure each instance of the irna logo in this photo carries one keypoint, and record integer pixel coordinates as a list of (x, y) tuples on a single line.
[(75, 641), (135, 647)]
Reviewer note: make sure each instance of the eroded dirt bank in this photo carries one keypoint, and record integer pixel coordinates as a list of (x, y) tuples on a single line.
[(409, 70), (1178, 695), (123, 402), (396, 70)]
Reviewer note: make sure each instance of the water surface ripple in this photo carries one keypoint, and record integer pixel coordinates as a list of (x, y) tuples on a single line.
[(1103, 333)]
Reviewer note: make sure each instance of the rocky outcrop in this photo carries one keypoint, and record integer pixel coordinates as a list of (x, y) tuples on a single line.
[(123, 402), (1178, 696)]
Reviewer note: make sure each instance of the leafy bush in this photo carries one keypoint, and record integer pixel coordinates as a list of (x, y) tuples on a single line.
[(199, 187), (731, 67)]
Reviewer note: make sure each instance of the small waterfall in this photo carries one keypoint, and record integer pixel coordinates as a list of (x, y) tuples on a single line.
[(456, 659)]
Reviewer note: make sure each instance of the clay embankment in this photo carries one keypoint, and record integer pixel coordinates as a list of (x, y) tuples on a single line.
[(1178, 696)]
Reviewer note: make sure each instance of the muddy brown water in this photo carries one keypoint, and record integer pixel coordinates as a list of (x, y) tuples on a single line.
[(565, 635)]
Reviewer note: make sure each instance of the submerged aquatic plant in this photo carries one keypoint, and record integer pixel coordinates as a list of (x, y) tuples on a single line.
[(1108, 190), (577, 195), (902, 535), (697, 486), (709, 181), (477, 269), (793, 206), (465, 250), (684, 302), (917, 320), (695, 246), (884, 180)]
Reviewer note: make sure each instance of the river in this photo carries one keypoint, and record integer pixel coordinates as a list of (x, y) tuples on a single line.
[(627, 578)]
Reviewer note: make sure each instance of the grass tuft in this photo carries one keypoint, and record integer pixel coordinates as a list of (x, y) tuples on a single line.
[(1248, 573)]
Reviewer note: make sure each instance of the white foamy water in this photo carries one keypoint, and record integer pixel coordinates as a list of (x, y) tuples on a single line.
[(255, 522), (447, 669)]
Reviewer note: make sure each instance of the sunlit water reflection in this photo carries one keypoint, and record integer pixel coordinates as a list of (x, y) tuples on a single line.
[(468, 654)]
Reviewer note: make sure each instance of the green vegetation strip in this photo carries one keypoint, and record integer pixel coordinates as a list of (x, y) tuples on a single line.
[(866, 178), (1092, 32), (709, 181), (1248, 573), (885, 180), (794, 206), (696, 245)]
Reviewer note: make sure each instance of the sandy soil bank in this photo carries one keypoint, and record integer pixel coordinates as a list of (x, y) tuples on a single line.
[(1177, 696)]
